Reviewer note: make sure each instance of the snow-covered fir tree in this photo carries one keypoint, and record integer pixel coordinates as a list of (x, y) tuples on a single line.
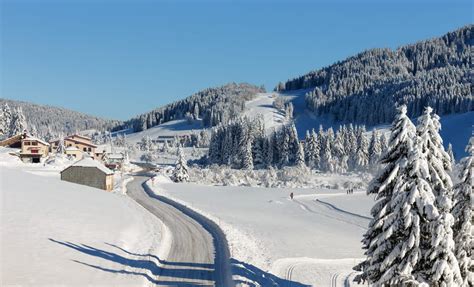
[(327, 161), (442, 266), (300, 156), (384, 186), (18, 123), (268, 151), (463, 217), (5, 120), (375, 148), (247, 159), (146, 143), (180, 172), (61, 149), (451, 154), (311, 149)]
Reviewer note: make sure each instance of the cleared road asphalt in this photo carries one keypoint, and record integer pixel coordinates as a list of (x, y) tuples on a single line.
[(199, 255)]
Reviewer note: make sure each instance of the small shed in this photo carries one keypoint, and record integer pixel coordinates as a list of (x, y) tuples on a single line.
[(90, 172)]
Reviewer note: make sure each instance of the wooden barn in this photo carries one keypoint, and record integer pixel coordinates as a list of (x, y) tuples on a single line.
[(90, 172)]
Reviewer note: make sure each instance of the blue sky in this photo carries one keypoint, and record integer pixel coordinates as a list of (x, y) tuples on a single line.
[(117, 59)]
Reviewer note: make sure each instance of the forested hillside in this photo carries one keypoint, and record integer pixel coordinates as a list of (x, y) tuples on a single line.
[(47, 121), (365, 88), (212, 105)]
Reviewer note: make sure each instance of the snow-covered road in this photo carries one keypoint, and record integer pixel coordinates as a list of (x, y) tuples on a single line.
[(198, 253)]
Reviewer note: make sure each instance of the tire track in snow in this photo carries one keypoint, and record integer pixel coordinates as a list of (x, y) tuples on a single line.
[(334, 277), (289, 274)]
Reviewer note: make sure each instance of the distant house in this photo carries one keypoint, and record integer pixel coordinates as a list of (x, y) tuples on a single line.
[(90, 172), (82, 143), (32, 149), (114, 160)]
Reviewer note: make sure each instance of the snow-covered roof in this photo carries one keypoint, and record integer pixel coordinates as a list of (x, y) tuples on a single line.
[(89, 162), (32, 138)]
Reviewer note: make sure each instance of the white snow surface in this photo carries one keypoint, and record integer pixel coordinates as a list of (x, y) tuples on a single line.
[(56, 233), (302, 240)]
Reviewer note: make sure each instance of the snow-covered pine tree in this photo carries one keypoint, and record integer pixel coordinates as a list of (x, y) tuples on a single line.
[(247, 160), (284, 148), (311, 149), (442, 268), (226, 149), (258, 132), (33, 131), (293, 143), (451, 154), (196, 111), (383, 143), (145, 143), (300, 156), (5, 120), (339, 152), (180, 172), (375, 148), (383, 186), (351, 146), (362, 153), (18, 123), (327, 162), (61, 149), (463, 217), (315, 150), (307, 140), (214, 146), (397, 253)]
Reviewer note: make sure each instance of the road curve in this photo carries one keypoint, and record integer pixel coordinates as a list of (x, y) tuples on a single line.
[(199, 254)]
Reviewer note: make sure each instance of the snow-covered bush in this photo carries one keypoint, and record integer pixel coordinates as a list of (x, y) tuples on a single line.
[(180, 173)]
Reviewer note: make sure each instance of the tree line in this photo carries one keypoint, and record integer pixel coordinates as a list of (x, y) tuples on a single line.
[(365, 88), (244, 143), (213, 106), (50, 123)]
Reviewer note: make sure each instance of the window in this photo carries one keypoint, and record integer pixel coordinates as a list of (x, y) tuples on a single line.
[(84, 149), (34, 143), (89, 149), (34, 151), (27, 143)]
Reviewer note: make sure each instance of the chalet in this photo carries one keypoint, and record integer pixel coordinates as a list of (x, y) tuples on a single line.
[(82, 143), (32, 149), (90, 172)]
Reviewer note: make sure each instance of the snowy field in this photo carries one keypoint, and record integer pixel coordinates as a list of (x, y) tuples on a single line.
[(55, 233), (313, 239)]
